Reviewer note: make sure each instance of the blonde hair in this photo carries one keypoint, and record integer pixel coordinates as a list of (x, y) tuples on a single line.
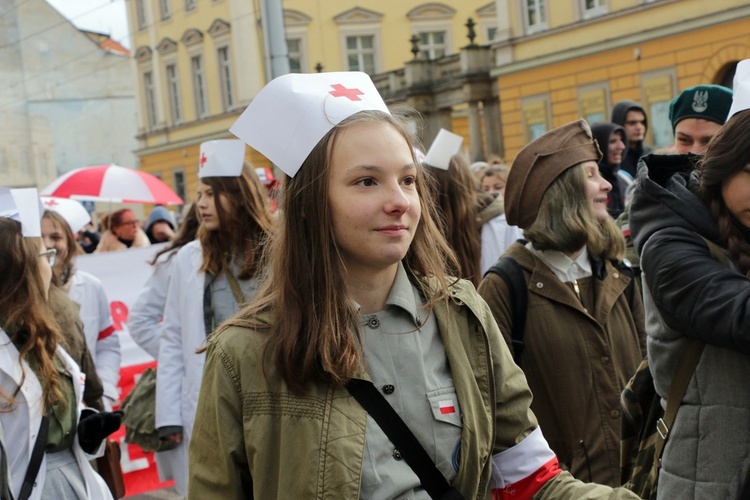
[(566, 222)]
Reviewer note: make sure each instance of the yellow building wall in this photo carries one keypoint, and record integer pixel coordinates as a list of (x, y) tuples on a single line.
[(325, 43), (693, 58)]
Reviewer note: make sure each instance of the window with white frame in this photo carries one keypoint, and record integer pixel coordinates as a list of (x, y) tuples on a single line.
[(360, 53), (294, 48), (592, 8), (149, 98), (165, 9), (225, 78), (432, 44), (140, 14), (173, 93), (190, 4), (295, 24), (535, 15), (199, 86)]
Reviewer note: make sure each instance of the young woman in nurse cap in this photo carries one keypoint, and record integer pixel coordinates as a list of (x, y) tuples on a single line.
[(211, 278), (356, 289)]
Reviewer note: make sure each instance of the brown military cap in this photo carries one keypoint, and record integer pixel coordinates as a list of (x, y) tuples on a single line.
[(540, 163)]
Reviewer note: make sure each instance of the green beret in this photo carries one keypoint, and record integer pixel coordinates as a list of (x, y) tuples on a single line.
[(710, 102)]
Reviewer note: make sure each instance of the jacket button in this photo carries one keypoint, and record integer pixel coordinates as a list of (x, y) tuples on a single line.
[(616, 275), (605, 359), (614, 414), (373, 322), (388, 388), (420, 321), (539, 284), (397, 455)]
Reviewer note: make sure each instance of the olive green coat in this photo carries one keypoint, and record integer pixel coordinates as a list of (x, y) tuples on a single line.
[(254, 439)]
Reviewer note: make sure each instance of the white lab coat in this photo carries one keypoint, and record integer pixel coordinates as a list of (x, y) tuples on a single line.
[(180, 369), (144, 318), (21, 425), (101, 338), (145, 326)]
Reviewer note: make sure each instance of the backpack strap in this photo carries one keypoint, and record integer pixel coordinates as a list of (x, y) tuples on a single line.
[(512, 273), (627, 269), (677, 389)]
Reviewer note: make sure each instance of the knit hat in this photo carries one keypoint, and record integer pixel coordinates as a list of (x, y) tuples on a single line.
[(710, 102), (160, 214), (542, 161)]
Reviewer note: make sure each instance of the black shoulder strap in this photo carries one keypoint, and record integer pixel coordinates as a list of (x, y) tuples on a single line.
[(512, 273), (626, 269), (36, 460), (394, 427)]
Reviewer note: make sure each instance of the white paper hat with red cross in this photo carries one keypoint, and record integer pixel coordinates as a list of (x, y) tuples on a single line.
[(22, 205), (291, 114), (71, 210), (221, 158), (445, 145), (741, 94)]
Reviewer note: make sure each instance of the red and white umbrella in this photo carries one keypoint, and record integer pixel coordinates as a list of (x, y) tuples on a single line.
[(112, 183)]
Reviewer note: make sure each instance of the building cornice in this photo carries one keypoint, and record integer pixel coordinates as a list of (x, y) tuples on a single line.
[(676, 28), (191, 141)]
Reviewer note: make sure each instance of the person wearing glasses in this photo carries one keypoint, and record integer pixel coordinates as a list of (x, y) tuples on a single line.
[(41, 386), (102, 340), (123, 232)]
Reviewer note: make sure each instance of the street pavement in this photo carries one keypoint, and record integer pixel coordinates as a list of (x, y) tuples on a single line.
[(163, 494)]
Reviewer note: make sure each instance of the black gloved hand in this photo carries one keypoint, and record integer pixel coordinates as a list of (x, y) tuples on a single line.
[(93, 427)]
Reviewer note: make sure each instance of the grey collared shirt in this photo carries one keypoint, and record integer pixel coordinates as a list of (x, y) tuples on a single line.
[(406, 360)]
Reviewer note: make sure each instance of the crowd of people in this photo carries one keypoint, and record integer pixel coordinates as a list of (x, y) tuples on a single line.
[(391, 323)]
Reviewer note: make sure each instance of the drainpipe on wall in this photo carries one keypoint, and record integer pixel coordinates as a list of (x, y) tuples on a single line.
[(277, 54)]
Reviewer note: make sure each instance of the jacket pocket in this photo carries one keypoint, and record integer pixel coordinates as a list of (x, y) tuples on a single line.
[(444, 405)]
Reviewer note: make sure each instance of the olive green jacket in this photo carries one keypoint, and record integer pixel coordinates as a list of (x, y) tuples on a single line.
[(253, 438)]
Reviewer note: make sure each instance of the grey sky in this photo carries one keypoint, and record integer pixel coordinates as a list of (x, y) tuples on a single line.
[(104, 16)]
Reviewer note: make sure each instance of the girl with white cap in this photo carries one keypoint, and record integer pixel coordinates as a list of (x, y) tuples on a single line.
[(356, 300), (86, 290), (49, 436), (211, 278)]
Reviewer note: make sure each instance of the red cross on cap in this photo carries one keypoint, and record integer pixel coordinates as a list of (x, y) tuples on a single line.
[(341, 91), (51, 203), (203, 159)]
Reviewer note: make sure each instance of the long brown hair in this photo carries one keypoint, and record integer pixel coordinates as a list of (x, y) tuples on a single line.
[(186, 233), (314, 328), (727, 154), (566, 221), (457, 199), (25, 314), (61, 272), (242, 229)]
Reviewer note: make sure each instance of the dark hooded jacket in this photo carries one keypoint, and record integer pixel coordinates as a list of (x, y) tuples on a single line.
[(636, 149), (689, 294), (616, 197)]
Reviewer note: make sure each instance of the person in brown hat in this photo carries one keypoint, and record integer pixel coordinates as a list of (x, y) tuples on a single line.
[(584, 334)]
